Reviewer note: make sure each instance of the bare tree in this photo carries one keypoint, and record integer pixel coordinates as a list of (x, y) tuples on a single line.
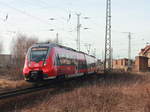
[(19, 48)]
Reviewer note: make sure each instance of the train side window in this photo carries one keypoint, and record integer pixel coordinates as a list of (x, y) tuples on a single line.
[(57, 60)]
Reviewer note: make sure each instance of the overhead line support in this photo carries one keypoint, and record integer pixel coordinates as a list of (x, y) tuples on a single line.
[(108, 48)]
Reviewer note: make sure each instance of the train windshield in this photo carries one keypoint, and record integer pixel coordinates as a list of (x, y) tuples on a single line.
[(38, 54)]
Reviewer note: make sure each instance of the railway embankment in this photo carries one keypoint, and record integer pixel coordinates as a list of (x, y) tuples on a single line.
[(10, 79), (98, 93), (8, 85)]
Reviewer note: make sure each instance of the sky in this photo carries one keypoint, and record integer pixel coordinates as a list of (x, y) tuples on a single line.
[(31, 17)]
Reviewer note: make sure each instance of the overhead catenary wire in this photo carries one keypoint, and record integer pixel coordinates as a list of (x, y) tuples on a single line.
[(27, 14), (23, 12)]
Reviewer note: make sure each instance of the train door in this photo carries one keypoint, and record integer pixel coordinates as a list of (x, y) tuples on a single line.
[(76, 65)]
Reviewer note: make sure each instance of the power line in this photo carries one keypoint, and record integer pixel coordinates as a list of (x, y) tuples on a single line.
[(24, 13), (47, 4)]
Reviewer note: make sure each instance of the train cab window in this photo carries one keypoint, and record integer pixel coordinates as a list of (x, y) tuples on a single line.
[(38, 54)]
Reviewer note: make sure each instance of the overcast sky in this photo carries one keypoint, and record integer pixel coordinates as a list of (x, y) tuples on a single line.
[(31, 17)]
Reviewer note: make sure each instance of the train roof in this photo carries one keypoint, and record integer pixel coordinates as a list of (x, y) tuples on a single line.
[(49, 44)]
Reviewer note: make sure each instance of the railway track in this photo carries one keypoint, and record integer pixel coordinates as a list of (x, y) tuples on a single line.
[(47, 85), (23, 91)]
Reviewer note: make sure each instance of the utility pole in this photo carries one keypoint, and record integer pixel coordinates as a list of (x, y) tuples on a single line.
[(78, 31), (107, 61), (94, 53), (57, 38), (88, 47), (102, 55), (129, 49)]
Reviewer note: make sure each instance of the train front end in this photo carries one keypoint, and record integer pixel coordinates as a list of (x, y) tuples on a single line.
[(38, 64)]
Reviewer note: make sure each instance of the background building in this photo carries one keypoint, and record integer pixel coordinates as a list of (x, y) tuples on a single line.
[(146, 53), (141, 64), (5, 61), (121, 64)]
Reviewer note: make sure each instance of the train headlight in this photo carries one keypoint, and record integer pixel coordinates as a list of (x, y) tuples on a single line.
[(29, 64), (44, 63)]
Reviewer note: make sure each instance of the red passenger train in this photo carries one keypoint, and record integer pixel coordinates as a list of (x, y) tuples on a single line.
[(48, 61)]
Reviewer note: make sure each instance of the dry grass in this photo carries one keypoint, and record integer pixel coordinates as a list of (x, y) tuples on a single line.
[(11, 74), (10, 79), (93, 99), (89, 99), (112, 93), (6, 85)]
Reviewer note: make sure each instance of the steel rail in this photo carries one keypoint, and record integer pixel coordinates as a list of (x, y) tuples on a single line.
[(22, 91), (51, 84)]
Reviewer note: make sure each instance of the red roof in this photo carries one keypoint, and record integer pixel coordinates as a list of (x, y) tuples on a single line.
[(145, 50)]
